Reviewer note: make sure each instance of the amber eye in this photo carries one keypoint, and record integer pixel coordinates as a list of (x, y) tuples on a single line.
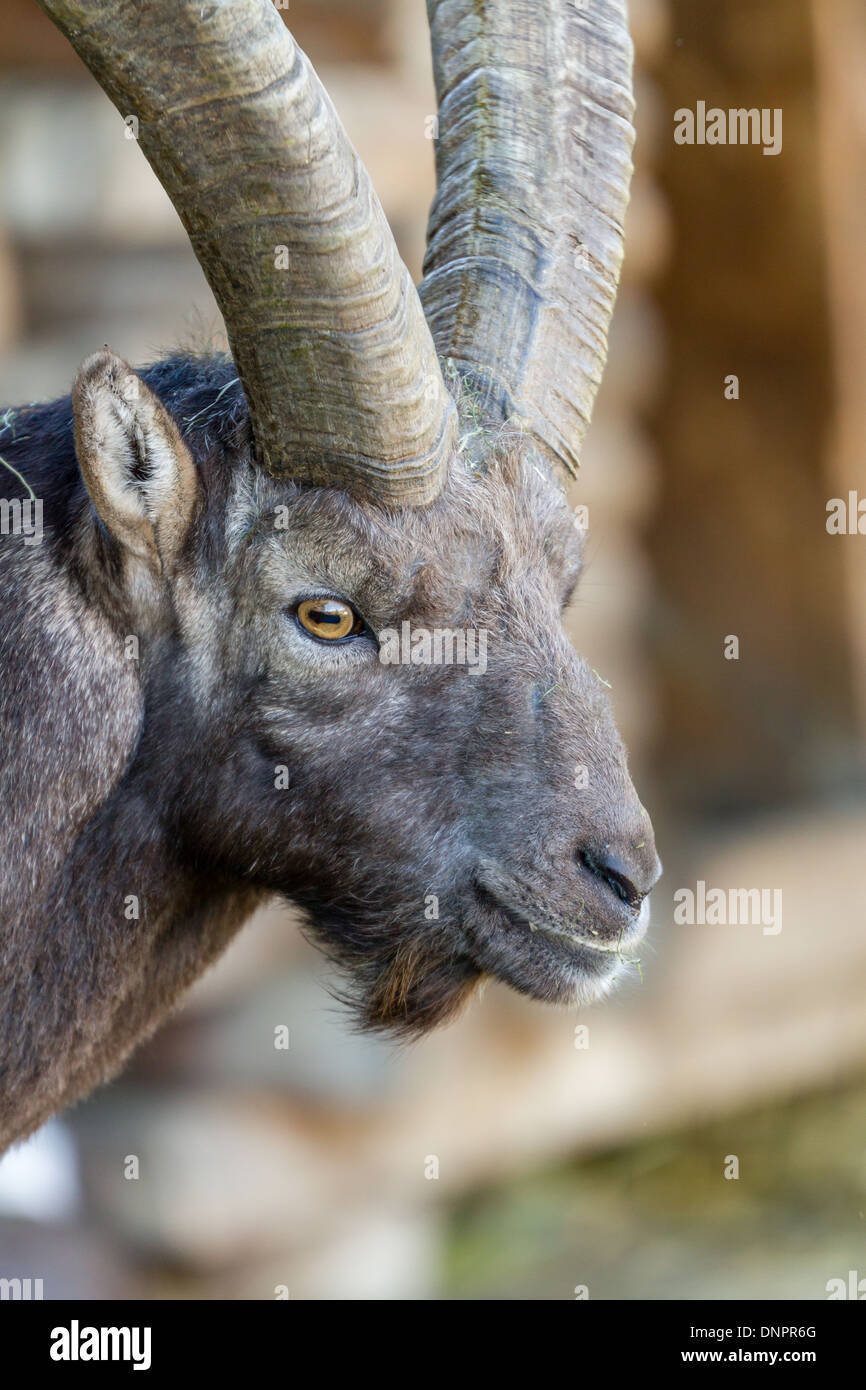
[(328, 619)]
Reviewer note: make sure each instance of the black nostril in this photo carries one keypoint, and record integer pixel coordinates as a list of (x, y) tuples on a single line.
[(614, 872)]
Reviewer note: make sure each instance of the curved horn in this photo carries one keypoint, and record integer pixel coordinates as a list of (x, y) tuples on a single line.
[(525, 237), (325, 325)]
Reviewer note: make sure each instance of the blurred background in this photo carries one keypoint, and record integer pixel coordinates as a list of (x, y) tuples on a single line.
[(703, 1133)]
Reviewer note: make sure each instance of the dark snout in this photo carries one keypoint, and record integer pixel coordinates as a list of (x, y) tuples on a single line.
[(561, 922), (629, 868), (592, 887), (564, 903)]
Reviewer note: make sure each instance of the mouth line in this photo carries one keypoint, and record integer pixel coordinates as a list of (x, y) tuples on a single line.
[(548, 930), (573, 939)]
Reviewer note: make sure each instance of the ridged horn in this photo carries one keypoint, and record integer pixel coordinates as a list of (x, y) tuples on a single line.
[(325, 325), (524, 243)]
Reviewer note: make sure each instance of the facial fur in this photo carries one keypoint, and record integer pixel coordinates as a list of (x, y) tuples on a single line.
[(434, 824)]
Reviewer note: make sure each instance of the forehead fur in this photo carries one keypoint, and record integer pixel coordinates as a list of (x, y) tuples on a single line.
[(496, 527)]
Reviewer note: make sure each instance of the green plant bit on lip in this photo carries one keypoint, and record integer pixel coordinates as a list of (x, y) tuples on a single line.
[(581, 941)]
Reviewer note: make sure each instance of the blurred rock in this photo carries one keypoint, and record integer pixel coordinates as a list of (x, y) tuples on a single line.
[(217, 1181)]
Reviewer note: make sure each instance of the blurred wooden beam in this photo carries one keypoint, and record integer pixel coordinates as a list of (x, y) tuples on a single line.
[(336, 31), (840, 30), (739, 544)]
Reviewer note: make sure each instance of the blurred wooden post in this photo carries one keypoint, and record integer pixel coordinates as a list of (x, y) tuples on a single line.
[(739, 542), (840, 29)]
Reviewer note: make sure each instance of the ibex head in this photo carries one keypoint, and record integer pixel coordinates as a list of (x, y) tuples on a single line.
[(292, 535)]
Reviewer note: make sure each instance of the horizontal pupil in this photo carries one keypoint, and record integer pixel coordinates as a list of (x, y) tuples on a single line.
[(327, 619)]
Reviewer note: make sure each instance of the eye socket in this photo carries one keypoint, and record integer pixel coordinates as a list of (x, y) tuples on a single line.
[(328, 619)]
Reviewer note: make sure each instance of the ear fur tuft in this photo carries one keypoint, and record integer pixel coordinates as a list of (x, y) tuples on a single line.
[(139, 473)]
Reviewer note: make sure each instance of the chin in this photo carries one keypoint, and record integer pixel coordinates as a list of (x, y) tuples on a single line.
[(554, 969), (545, 972)]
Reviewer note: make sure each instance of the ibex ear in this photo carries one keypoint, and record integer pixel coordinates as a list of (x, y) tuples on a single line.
[(139, 473)]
